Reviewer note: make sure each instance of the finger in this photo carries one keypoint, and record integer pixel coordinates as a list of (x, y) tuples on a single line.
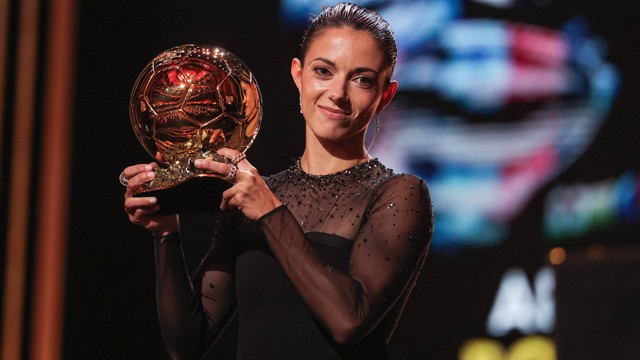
[(131, 171), (143, 216), (142, 213), (133, 203), (241, 161), (136, 182), (227, 196), (140, 179), (228, 153), (141, 209), (215, 167), (234, 156)]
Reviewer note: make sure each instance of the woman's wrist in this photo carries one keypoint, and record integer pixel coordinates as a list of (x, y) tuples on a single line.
[(170, 228), (279, 207)]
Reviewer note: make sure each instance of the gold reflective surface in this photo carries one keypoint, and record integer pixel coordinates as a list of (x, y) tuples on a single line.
[(187, 103)]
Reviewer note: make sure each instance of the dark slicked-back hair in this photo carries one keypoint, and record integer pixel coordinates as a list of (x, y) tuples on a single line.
[(358, 18)]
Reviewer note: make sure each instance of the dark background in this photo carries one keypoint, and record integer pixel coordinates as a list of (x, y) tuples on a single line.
[(110, 300)]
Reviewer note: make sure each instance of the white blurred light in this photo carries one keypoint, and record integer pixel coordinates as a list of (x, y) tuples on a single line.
[(519, 307)]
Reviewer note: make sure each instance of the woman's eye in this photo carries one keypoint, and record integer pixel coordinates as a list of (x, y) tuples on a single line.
[(322, 71), (365, 81)]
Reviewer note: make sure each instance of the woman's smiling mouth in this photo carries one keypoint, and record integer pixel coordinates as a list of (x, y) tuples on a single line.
[(333, 113)]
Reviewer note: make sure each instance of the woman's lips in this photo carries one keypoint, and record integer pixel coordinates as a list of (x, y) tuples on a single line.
[(332, 113)]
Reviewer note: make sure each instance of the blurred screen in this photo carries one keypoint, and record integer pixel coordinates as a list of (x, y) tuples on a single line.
[(494, 102)]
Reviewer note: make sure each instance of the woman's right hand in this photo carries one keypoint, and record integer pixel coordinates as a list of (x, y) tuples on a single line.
[(142, 211)]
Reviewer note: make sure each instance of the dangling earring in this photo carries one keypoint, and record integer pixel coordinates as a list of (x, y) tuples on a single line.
[(376, 133), (300, 102)]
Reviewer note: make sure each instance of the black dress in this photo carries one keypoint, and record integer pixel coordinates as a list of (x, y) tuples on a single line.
[(345, 249)]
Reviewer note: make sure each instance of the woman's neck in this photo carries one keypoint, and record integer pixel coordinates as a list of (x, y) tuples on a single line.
[(315, 166), (321, 160)]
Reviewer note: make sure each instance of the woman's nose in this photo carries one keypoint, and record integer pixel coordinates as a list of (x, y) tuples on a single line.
[(338, 90)]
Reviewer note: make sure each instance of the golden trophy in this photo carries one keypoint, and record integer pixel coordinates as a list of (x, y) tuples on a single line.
[(187, 103)]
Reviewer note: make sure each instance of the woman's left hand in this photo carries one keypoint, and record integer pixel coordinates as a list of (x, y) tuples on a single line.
[(249, 193)]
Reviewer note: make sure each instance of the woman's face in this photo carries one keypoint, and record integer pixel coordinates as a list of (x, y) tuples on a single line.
[(342, 83)]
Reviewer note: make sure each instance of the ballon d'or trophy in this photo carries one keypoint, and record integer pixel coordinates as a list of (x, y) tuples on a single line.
[(187, 103)]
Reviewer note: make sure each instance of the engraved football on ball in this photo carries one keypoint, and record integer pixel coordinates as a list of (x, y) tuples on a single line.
[(190, 101)]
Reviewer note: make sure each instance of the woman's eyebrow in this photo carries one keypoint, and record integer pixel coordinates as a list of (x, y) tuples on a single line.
[(324, 60), (356, 70)]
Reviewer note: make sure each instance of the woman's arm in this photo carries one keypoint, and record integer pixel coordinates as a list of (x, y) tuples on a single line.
[(386, 253), (191, 317)]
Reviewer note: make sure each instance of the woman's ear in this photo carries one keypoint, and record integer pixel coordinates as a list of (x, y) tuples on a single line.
[(296, 72), (387, 95)]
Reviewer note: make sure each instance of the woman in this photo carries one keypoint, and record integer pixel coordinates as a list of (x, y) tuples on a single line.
[(319, 259)]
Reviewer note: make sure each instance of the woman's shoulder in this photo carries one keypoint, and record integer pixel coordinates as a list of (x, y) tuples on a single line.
[(406, 181), (404, 188), (407, 178)]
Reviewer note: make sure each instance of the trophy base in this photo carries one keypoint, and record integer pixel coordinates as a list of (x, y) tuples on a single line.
[(197, 195)]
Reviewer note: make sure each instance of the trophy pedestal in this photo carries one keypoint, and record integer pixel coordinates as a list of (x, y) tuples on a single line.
[(201, 194)]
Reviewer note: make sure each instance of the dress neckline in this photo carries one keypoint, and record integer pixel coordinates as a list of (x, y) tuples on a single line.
[(353, 168), (355, 173)]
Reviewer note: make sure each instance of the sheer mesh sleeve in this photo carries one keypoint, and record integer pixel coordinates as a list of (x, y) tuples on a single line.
[(391, 230), (191, 317)]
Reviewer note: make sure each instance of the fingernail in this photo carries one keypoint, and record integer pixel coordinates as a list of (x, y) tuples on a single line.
[(151, 175), (148, 168), (153, 200), (199, 162)]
